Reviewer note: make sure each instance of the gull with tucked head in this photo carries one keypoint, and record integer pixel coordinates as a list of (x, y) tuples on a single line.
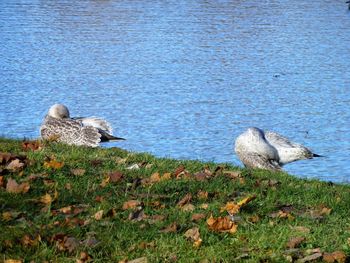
[(268, 150), (58, 125)]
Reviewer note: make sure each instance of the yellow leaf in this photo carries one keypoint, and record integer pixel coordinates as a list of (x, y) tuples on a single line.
[(46, 199), (6, 216), (166, 176), (53, 164), (231, 207), (13, 261), (246, 200)]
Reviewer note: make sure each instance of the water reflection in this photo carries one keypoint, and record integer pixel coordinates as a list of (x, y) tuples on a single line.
[(184, 79)]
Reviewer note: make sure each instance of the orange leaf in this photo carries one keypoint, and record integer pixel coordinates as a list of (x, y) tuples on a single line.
[(13, 187), (131, 204), (221, 224), (231, 207), (46, 199), (197, 217), (53, 164)]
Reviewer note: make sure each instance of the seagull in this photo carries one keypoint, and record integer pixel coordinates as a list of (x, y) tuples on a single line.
[(269, 150), (59, 126)]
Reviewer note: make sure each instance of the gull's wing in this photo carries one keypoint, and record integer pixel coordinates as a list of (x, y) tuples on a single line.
[(70, 131), (255, 160), (276, 139)]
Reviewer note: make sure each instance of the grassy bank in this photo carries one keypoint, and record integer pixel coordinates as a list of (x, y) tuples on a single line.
[(73, 204)]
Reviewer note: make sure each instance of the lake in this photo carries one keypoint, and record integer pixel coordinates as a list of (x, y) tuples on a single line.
[(183, 79)]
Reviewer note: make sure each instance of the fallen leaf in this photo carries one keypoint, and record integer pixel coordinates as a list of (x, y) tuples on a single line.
[(188, 208), (185, 200), (301, 229), (78, 171), (233, 174), (71, 244), (27, 241), (15, 165), (172, 228), (198, 217), (105, 181), (295, 242), (131, 204), (202, 195), (13, 261), (84, 257), (31, 145), (2, 183), (13, 187), (98, 215), (193, 234), (46, 199), (231, 207), (115, 177), (310, 258), (246, 200), (53, 164), (138, 260), (336, 256), (133, 167), (221, 224), (204, 206)]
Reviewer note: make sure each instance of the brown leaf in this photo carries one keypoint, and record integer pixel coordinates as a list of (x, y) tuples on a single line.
[(202, 195), (172, 228), (336, 256), (13, 261), (5, 157), (221, 224), (27, 241), (13, 187), (31, 145), (71, 244), (53, 164), (115, 177), (295, 242), (131, 204), (15, 165), (301, 229), (198, 217), (185, 200), (84, 257), (78, 171), (2, 182), (193, 234)]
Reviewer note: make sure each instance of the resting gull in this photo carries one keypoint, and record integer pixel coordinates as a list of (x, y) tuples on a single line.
[(269, 150), (90, 131)]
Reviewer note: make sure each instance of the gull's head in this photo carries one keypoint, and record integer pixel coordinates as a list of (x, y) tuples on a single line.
[(59, 111)]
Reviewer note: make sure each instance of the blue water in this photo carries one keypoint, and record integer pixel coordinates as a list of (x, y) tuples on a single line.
[(182, 79)]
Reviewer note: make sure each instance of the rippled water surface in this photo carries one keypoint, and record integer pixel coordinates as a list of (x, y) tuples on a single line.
[(183, 78)]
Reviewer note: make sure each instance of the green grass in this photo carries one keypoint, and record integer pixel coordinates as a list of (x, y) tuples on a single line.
[(115, 237)]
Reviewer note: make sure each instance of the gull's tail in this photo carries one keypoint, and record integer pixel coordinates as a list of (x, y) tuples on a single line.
[(317, 155)]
